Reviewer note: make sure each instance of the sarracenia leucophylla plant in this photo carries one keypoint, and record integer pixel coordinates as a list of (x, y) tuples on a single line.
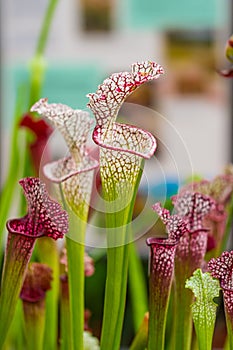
[(74, 175), (161, 274), (44, 218), (190, 252), (222, 269), (122, 150)]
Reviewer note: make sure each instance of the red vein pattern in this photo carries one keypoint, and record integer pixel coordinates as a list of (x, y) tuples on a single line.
[(162, 261), (175, 225), (74, 126), (222, 269), (45, 217), (107, 100), (122, 147), (220, 189), (194, 206), (74, 172)]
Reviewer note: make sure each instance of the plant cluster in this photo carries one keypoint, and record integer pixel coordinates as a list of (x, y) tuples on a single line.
[(42, 304)]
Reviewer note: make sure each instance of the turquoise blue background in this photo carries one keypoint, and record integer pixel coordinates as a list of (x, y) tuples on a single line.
[(163, 14), (66, 83)]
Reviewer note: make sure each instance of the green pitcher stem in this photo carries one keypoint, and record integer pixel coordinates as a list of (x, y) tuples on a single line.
[(65, 339), (140, 340), (229, 319), (16, 332), (189, 257), (183, 320), (229, 334), (75, 255), (75, 245), (137, 287), (15, 265), (34, 321), (156, 339), (118, 232), (115, 296), (160, 282), (47, 252), (226, 344)]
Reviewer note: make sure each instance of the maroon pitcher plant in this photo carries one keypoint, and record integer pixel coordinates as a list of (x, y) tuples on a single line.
[(44, 218), (161, 274), (190, 252)]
